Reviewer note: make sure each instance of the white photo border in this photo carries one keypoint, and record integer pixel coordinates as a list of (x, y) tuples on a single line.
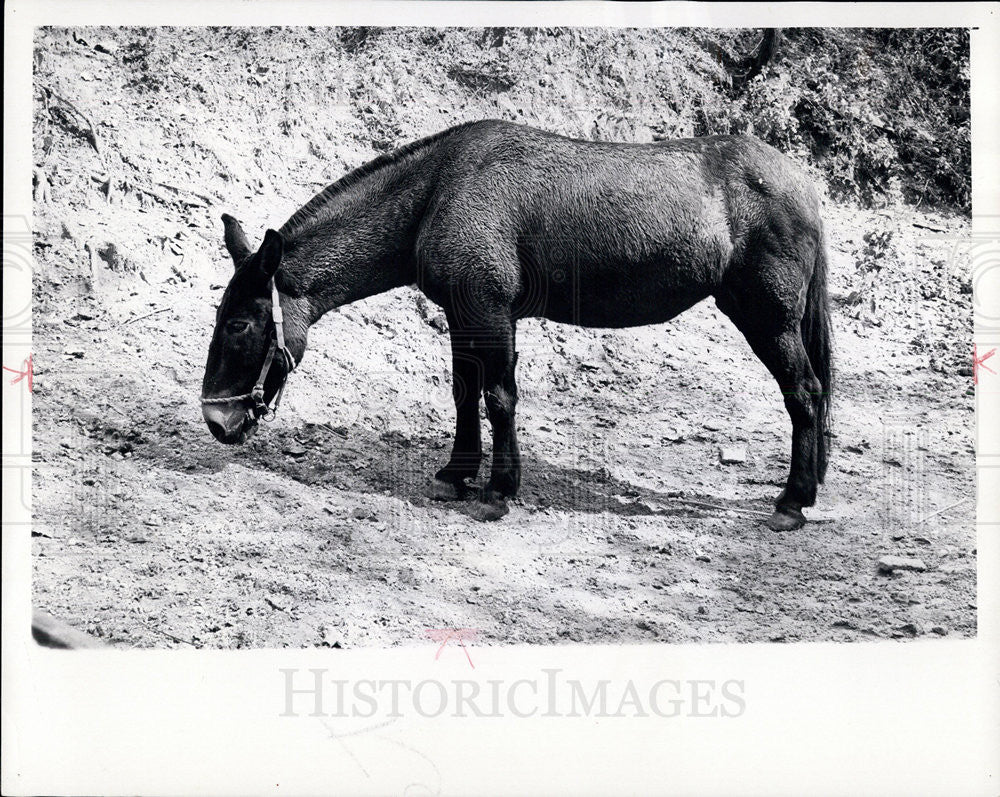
[(880, 718)]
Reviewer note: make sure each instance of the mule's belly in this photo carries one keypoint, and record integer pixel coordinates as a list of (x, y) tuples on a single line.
[(604, 255), (574, 299), (601, 317), (572, 286)]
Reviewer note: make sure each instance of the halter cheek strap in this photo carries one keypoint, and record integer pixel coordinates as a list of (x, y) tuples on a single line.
[(256, 396)]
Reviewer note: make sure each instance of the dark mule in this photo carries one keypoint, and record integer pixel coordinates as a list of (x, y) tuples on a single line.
[(495, 222)]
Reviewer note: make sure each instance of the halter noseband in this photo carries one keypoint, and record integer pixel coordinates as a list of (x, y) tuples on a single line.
[(258, 406)]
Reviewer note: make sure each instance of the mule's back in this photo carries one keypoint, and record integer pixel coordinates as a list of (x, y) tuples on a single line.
[(646, 229)]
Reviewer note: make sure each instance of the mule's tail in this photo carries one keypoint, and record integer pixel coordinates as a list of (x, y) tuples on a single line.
[(818, 339)]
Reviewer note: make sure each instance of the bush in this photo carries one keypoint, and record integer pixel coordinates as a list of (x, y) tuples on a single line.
[(871, 108)]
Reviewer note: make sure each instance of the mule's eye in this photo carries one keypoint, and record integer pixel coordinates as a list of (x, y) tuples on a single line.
[(237, 327)]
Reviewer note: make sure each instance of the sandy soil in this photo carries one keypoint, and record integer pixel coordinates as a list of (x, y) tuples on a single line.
[(323, 531)]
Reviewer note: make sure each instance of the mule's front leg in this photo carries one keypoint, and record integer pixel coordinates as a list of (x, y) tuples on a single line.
[(500, 395), (466, 387)]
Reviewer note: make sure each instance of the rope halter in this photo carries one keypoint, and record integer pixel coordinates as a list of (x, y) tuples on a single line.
[(255, 397)]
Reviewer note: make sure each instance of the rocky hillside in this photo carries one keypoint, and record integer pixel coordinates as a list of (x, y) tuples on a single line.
[(322, 531)]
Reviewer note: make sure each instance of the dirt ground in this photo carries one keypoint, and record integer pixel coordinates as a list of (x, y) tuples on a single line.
[(323, 529)]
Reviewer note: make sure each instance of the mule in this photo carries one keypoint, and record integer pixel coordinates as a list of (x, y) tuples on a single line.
[(496, 222)]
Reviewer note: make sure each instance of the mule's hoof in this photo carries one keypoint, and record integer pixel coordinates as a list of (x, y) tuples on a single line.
[(786, 519), (489, 510), (449, 490)]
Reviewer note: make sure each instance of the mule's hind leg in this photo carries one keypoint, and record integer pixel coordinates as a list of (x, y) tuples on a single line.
[(466, 387), (500, 394), (786, 358), (777, 341)]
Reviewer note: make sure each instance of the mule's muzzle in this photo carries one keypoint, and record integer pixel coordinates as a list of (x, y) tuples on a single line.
[(231, 425)]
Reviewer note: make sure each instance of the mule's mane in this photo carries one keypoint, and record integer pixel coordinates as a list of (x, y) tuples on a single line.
[(312, 211)]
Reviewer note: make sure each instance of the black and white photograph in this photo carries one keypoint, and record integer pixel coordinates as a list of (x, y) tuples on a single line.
[(651, 352), (564, 335)]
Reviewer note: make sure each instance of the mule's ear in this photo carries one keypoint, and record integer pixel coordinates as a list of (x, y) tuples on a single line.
[(236, 240), (270, 252)]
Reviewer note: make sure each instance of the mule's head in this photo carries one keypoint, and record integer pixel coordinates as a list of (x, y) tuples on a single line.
[(243, 333)]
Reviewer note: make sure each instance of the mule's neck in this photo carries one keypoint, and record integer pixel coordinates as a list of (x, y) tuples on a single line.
[(363, 239)]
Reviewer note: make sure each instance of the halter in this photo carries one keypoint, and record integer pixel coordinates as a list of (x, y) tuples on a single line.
[(258, 406)]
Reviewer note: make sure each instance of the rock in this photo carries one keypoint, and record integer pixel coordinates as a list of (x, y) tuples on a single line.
[(674, 435), (910, 629), (714, 424), (275, 603), (733, 455), (844, 624), (330, 638), (363, 513), (295, 449), (106, 46), (111, 255), (431, 316), (890, 564), (940, 630)]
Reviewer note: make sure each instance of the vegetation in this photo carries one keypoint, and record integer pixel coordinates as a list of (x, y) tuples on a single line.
[(883, 114)]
